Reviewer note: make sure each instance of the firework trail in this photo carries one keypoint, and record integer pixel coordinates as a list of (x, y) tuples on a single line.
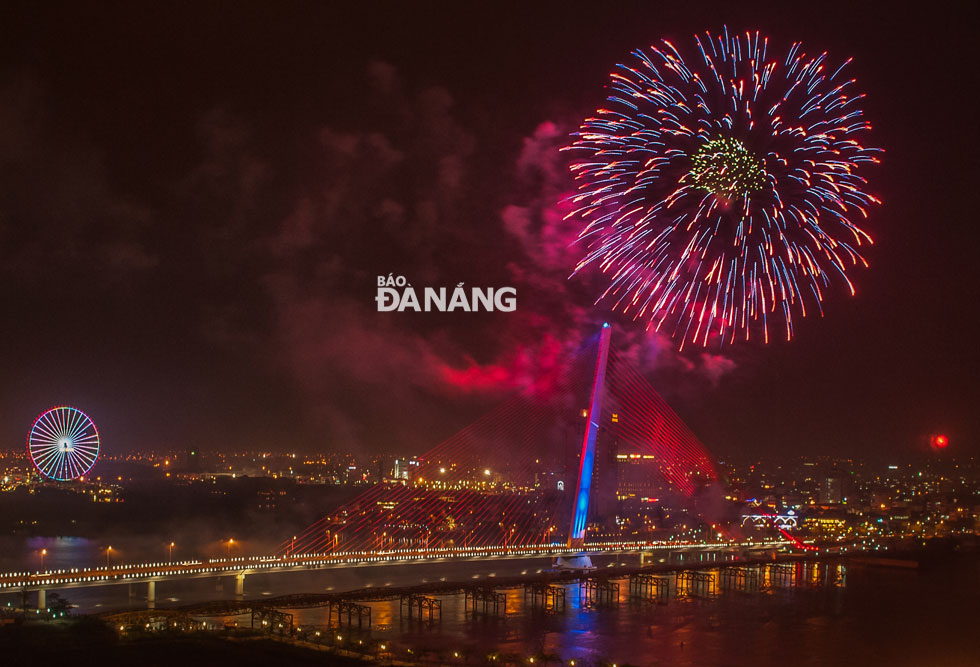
[(719, 194)]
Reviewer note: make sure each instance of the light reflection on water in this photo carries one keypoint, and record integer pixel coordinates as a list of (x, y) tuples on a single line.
[(866, 617), (881, 616)]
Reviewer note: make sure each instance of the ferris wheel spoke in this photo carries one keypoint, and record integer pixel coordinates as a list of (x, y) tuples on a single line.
[(69, 468), (68, 419), (86, 463), (46, 430), (89, 446), (59, 420), (45, 452), (83, 463), (78, 425), (73, 466), (86, 439), (70, 465), (57, 463), (43, 441), (46, 463), (83, 460), (75, 424), (48, 422)]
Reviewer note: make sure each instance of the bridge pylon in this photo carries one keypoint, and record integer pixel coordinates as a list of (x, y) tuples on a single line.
[(580, 511)]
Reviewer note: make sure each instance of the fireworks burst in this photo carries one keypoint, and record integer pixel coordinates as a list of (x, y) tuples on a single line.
[(719, 195)]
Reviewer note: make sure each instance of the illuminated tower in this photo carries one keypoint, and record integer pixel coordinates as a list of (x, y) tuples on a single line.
[(580, 511)]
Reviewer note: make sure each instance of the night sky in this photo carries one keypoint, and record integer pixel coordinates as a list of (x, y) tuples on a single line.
[(197, 198)]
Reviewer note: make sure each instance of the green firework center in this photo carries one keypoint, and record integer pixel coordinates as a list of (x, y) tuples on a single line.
[(726, 168)]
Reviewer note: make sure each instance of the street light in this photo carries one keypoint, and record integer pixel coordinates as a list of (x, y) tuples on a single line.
[(108, 550), (229, 543), (44, 552), (171, 552)]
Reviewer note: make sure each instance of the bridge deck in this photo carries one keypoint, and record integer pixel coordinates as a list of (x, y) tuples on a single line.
[(144, 572)]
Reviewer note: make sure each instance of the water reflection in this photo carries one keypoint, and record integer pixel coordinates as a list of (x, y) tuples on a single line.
[(825, 611)]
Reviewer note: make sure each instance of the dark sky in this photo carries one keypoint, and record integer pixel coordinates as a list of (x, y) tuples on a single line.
[(196, 199)]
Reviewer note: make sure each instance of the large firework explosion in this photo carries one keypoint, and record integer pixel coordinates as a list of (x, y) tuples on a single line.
[(718, 194)]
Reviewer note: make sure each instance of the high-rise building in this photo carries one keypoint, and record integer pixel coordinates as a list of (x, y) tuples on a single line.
[(832, 489), (405, 468), (605, 477), (384, 467)]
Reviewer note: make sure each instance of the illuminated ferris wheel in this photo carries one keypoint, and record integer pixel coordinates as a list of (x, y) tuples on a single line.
[(63, 443)]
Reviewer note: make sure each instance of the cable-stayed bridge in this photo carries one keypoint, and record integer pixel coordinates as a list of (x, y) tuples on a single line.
[(537, 476), (534, 471)]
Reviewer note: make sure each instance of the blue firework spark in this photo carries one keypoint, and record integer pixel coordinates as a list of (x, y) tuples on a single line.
[(719, 194)]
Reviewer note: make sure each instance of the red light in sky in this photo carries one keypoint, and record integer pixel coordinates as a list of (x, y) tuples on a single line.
[(939, 441)]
